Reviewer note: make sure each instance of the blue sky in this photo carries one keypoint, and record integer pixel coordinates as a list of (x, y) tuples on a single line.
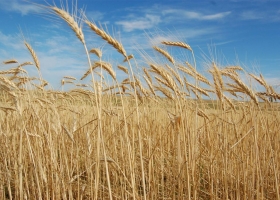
[(233, 32)]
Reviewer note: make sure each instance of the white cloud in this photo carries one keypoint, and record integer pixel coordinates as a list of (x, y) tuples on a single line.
[(19, 7), (140, 23), (94, 15), (251, 15), (195, 15)]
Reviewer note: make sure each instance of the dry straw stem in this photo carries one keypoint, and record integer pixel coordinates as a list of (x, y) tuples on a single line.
[(33, 54), (165, 53), (118, 46), (178, 44), (71, 22), (124, 69), (104, 65), (244, 87), (97, 52), (12, 61), (128, 58)]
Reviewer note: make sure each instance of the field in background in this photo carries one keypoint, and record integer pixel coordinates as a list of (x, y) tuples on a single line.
[(167, 132)]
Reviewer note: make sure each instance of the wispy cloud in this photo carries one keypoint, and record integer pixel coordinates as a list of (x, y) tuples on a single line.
[(196, 15), (95, 15), (251, 15), (19, 7), (14, 42), (140, 23)]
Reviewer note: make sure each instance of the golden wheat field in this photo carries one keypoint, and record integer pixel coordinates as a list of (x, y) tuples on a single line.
[(167, 131)]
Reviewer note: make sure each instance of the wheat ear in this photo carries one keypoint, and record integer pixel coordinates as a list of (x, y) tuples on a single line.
[(33, 54), (97, 52), (178, 44), (71, 22), (124, 69), (118, 46), (165, 53)]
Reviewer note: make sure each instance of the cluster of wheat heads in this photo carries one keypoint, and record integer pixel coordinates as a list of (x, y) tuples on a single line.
[(170, 132)]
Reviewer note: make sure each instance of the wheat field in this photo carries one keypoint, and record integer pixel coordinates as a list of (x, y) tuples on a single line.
[(167, 131)]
